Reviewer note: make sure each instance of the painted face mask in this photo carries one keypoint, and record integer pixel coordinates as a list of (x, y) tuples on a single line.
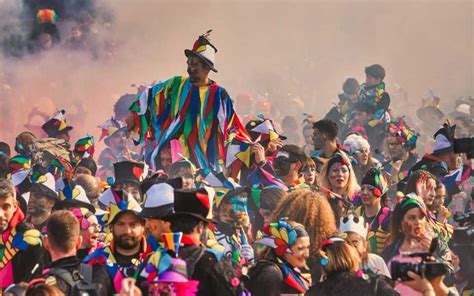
[(239, 210)]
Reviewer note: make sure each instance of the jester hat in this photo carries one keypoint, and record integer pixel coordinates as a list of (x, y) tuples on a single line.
[(56, 125), (264, 128), (403, 133), (84, 148), (163, 266), (43, 182), (204, 50), (117, 202), (74, 196), (281, 236), (376, 178), (109, 128), (19, 168)]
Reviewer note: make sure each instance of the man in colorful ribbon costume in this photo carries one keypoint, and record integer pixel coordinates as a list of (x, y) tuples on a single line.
[(195, 110), (21, 254), (192, 209), (128, 247)]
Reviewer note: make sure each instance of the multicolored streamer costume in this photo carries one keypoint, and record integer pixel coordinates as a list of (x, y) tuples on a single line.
[(202, 118)]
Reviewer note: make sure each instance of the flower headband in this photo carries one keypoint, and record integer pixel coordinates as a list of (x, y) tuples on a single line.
[(281, 236)]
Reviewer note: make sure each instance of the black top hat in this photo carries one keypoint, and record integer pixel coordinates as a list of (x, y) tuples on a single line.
[(194, 203), (204, 50), (128, 171), (56, 125)]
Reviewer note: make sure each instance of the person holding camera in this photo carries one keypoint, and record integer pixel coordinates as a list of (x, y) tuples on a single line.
[(410, 233), (341, 275)]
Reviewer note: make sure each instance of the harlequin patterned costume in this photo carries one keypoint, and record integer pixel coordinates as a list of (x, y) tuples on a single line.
[(378, 230), (20, 251), (202, 118), (377, 99)]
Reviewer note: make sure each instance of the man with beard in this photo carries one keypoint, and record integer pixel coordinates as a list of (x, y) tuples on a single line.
[(233, 225), (195, 110), (128, 247), (21, 255), (43, 196)]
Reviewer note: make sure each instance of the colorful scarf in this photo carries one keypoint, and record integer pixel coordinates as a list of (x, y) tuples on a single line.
[(105, 258), (11, 242), (292, 278)]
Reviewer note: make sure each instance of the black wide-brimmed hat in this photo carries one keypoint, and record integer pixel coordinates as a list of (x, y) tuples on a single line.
[(129, 171), (195, 202)]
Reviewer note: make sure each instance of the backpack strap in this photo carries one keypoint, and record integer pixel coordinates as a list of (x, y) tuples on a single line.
[(63, 274), (86, 272)]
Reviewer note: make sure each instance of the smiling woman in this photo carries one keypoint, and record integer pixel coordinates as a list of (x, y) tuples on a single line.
[(278, 269)]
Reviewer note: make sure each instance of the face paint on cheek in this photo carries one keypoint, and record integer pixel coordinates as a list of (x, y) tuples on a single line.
[(239, 208)]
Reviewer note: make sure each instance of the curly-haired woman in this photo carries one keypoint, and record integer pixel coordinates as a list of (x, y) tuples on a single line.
[(312, 210)]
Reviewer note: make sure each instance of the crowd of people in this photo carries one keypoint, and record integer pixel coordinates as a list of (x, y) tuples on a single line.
[(187, 199)]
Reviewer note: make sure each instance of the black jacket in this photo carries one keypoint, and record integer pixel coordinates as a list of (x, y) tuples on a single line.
[(348, 283), (100, 276), (214, 275), (266, 279)]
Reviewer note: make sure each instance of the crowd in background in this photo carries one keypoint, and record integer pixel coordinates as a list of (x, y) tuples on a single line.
[(191, 197)]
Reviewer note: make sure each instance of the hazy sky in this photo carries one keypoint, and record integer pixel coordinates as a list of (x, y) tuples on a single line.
[(283, 48)]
